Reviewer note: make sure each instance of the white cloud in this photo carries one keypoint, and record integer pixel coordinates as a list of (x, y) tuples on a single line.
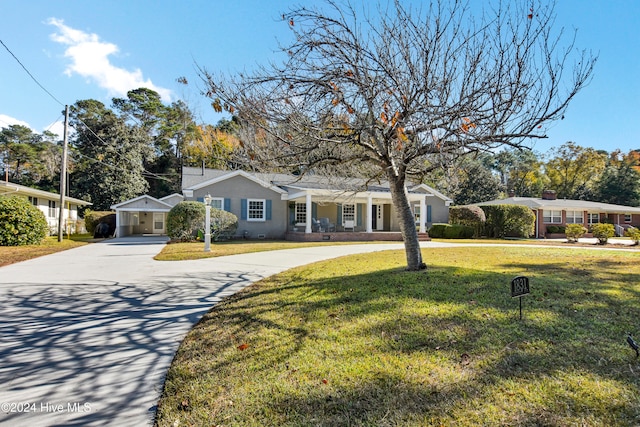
[(90, 59), (6, 121)]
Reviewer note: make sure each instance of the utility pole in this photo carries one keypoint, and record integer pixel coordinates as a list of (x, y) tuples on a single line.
[(63, 174)]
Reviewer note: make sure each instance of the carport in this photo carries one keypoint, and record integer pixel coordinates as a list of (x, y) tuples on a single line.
[(144, 215)]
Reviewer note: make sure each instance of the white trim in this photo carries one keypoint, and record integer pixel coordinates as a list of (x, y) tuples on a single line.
[(144, 196), (264, 210)]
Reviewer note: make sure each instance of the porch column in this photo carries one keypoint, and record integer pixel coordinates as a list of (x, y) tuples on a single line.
[(309, 207), (117, 232), (423, 215), (369, 214)]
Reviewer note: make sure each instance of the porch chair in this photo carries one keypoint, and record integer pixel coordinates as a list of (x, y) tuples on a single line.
[(327, 225), (349, 224)]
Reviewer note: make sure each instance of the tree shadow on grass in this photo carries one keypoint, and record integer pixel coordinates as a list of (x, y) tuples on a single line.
[(455, 341)]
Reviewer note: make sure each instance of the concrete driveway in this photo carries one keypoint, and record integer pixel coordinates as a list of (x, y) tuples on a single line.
[(88, 334)]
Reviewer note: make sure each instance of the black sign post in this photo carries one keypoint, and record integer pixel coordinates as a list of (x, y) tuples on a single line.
[(520, 288)]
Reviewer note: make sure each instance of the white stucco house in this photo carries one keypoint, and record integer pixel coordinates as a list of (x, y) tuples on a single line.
[(49, 204)]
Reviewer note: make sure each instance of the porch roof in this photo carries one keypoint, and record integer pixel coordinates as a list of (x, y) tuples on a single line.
[(8, 188), (565, 204)]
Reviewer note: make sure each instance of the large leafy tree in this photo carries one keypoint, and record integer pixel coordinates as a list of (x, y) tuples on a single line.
[(520, 171), (166, 129), (476, 183), (30, 158), (573, 170), (108, 156), (385, 92), (620, 181)]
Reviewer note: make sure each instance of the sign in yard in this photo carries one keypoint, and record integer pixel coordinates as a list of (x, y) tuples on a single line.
[(520, 288)]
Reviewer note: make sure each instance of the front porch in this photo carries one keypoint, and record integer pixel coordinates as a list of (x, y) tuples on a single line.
[(350, 236)]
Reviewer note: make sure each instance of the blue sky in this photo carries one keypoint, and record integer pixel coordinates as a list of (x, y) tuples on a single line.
[(100, 49)]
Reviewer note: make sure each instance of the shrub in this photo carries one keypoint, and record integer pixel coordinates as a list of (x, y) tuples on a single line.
[(556, 229), (437, 230), (447, 231), (603, 232), (509, 220), (458, 231), (223, 224), (470, 216), (634, 234), (184, 220), (21, 223), (574, 232), (93, 218)]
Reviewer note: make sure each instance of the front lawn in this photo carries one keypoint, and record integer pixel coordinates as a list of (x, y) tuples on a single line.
[(358, 341), (195, 250)]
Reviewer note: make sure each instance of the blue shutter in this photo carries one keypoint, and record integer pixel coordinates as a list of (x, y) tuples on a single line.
[(359, 214), (267, 214), (428, 213), (243, 209), (227, 205), (314, 210), (200, 199), (339, 215)]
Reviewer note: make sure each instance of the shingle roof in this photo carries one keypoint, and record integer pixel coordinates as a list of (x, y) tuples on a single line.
[(563, 204)]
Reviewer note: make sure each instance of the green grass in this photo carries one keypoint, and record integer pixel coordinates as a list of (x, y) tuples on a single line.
[(195, 250), (359, 341), (13, 254)]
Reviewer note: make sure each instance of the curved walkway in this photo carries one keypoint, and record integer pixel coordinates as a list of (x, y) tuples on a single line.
[(87, 335)]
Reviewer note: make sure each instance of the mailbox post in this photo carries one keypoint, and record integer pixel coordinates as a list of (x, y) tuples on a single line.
[(520, 288)]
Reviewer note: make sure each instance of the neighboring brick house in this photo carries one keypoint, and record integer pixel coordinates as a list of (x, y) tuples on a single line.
[(550, 210)]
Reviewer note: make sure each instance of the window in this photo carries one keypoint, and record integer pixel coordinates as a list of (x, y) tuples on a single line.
[(594, 218), (255, 210), (53, 212), (33, 200), (416, 214), (574, 217), (348, 213), (301, 213), (627, 217), (217, 202), (552, 217)]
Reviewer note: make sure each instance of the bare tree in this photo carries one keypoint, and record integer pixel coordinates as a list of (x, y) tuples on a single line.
[(388, 90)]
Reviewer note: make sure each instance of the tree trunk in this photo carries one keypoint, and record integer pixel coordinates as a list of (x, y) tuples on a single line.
[(407, 223)]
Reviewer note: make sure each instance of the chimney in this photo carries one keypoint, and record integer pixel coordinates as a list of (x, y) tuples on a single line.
[(548, 195)]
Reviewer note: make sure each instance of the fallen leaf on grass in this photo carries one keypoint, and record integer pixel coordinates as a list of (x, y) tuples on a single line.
[(243, 346)]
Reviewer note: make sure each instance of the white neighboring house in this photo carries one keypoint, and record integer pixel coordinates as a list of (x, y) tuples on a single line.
[(49, 204)]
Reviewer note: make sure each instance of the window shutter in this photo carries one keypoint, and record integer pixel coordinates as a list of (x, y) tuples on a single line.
[(428, 213), (339, 215), (359, 214), (200, 199), (227, 205), (243, 209), (267, 213), (314, 210)]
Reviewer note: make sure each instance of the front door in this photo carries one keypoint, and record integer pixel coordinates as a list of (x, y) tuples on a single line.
[(377, 216), (158, 223)]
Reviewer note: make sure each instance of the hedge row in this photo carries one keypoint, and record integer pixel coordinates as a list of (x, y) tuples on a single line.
[(451, 231)]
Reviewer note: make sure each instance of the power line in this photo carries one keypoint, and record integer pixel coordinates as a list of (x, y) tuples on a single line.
[(29, 73)]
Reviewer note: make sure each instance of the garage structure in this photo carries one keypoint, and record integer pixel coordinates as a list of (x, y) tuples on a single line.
[(144, 215)]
